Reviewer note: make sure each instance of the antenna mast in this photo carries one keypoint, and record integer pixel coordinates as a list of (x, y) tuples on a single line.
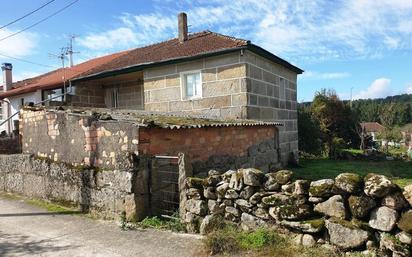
[(70, 50)]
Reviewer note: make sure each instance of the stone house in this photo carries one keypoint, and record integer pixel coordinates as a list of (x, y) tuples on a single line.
[(205, 74)]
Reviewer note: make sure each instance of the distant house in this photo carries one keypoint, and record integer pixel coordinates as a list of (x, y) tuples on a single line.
[(204, 73), (406, 131), (372, 129)]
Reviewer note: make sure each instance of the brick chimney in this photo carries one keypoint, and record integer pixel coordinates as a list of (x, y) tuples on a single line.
[(182, 18), (7, 76)]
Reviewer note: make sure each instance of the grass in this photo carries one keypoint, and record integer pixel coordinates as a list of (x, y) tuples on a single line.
[(173, 224), (399, 171), (50, 207), (262, 242)]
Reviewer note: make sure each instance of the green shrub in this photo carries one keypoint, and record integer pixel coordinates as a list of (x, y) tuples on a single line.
[(155, 222), (224, 240), (257, 239)]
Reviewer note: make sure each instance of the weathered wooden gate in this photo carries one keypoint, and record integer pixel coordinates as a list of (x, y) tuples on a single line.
[(164, 187)]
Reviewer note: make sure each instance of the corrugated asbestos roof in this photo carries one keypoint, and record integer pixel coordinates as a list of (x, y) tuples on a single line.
[(157, 119)]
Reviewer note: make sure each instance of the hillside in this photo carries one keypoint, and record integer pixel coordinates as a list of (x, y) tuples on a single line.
[(390, 111)]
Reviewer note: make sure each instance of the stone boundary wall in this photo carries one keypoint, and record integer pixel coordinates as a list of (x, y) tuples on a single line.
[(107, 193), (79, 139), (349, 212)]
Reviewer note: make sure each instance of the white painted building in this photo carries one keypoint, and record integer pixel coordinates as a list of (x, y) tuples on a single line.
[(11, 105)]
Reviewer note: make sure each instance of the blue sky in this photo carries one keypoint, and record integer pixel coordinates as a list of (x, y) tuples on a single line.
[(365, 45)]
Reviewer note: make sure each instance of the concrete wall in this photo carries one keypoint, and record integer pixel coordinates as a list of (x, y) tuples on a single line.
[(223, 87), (220, 148), (272, 95), (107, 193)]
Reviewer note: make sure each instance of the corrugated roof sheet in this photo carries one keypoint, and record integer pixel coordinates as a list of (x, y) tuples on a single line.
[(158, 119)]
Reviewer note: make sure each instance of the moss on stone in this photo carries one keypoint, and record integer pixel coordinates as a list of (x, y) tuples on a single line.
[(352, 224), (315, 223), (349, 178), (321, 190), (198, 183), (405, 222)]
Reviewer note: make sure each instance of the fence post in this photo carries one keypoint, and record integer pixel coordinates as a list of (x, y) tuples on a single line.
[(185, 170)]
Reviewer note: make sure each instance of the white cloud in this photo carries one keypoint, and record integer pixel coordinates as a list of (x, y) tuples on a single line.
[(20, 45), (109, 39), (137, 30), (25, 75), (379, 88), (297, 30), (409, 89), (324, 75)]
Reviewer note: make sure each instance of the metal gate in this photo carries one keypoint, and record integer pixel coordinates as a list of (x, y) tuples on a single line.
[(164, 186)]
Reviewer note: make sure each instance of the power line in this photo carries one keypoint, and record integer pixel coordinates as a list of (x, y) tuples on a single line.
[(23, 60), (28, 14), (31, 26)]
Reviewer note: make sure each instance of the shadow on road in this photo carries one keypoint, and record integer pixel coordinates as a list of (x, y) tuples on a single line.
[(15, 244), (39, 213)]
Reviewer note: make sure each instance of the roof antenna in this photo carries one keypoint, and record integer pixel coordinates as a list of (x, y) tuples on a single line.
[(69, 49)]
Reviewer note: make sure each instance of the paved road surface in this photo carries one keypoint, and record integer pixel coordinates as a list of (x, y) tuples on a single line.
[(26, 230)]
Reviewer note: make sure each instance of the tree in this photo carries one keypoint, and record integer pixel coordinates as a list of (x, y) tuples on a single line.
[(390, 135), (309, 132), (335, 119)]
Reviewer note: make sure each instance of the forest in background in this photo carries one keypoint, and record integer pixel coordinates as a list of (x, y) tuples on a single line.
[(327, 124)]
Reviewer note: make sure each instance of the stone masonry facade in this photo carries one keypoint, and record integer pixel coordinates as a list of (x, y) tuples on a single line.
[(223, 87), (235, 85)]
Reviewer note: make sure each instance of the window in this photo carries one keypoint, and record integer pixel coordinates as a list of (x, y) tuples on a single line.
[(54, 95), (112, 98), (192, 85)]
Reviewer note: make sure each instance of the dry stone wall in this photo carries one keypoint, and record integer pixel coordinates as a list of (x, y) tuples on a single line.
[(108, 193), (349, 212)]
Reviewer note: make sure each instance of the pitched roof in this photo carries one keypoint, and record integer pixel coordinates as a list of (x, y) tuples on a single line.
[(55, 78), (198, 44), (372, 126)]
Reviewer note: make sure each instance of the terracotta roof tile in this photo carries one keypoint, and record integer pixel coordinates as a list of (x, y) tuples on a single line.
[(372, 126), (55, 78), (198, 44)]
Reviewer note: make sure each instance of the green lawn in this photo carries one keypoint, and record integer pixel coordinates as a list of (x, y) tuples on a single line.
[(399, 171)]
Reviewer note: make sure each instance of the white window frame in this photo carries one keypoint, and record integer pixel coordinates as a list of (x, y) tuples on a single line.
[(183, 85)]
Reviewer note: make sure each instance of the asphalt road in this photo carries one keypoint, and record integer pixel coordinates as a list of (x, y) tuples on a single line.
[(26, 230)]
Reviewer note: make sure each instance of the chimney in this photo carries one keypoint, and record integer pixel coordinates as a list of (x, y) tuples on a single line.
[(182, 18), (7, 76)]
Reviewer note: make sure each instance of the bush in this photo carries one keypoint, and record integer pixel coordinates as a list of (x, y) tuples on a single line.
[(172, 224), (263, 242)]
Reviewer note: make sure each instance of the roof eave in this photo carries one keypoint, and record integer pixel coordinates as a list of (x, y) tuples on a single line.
[(133, 68), (262, 52)]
